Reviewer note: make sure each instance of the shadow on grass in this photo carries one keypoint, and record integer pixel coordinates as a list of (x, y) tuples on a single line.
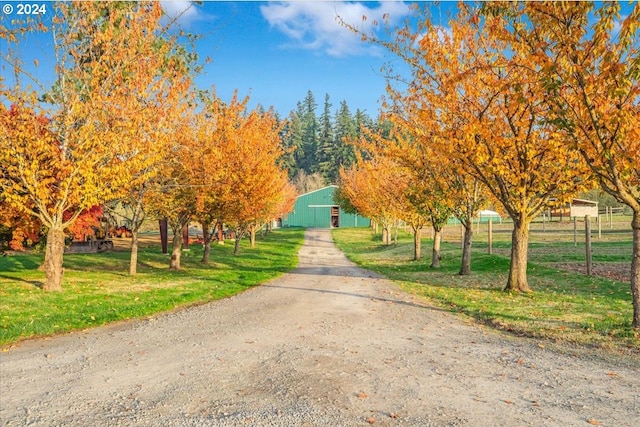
[(20, 262), (36, 283), (113, 262), (535, 326)]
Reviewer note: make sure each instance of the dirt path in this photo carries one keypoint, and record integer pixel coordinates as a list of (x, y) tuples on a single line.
[(327, 345)]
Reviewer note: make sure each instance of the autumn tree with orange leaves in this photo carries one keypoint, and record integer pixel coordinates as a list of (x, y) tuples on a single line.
[(207, 167), (75, 146), (172, 195), (372, 186), (438, 187), (255, 187), (491, 111), (416, 197), (589, 58), (152, 134)]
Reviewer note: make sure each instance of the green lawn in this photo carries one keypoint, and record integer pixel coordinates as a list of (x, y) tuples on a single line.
[(98, 290), (565, 306)]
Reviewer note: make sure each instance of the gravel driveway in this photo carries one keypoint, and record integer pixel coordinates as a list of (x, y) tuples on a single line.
[(326, 345)]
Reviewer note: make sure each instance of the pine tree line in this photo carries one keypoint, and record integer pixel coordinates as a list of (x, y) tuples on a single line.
[(318, 144)]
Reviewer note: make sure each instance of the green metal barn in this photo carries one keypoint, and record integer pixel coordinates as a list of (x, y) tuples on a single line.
[(317, 209)]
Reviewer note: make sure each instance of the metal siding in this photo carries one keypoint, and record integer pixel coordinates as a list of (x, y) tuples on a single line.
[(320, 217), (351, 220), (305, 215)]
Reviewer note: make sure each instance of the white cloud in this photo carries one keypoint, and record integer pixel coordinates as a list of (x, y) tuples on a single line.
[(617, 25), (444, 33), (183, 12), (314, 25)]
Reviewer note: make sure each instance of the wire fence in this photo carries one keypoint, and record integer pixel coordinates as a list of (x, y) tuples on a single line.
[(561, 243)]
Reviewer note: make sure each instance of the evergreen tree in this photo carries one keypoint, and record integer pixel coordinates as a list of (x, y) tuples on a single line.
[(345, 130), (307, 111), (363, 120), (326, 145), (319, 145)]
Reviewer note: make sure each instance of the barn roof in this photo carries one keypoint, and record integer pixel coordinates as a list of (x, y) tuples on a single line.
[(319, 189)]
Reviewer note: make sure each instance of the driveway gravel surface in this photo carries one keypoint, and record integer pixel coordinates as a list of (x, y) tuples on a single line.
[(328, 344)]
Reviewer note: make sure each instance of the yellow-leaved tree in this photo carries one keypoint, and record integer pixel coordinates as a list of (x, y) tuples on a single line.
[(589, 58), (257, 188), (371, 187), (67, 148), (489, 103)]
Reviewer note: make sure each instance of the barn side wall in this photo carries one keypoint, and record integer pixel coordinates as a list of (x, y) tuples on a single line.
[(313, 210)]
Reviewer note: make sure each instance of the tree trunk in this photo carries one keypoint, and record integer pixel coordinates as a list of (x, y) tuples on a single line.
[(395, 233), (252, 236), (136, 222), (206, 243), (220, 233), (435, 255), (53, 259), (417, 243), (517, 281), (386, 234), (133, 260), (465, 267), (635, 269), (176, 248), (236, 247)]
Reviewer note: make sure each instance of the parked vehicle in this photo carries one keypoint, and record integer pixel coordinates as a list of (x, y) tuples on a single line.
[(122, 231)]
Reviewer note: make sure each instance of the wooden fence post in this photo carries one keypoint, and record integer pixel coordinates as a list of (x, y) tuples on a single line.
[(587, 238), (610, 217), (164, 231), (185, 238), (490, 238)]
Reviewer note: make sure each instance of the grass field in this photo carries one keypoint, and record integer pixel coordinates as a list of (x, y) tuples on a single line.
[(566, 306), (98, 290)]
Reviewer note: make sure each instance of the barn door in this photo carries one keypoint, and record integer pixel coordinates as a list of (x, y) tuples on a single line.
[(335, 216)]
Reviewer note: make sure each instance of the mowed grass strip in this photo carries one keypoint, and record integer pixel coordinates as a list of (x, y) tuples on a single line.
[(565, 306), (98, 290)]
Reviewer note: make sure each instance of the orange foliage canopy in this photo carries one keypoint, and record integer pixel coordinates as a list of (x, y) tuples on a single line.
[(87, 223), (111, 64)]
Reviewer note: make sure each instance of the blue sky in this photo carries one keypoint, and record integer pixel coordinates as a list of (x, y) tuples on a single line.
[(272, 51), (276, 51)]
